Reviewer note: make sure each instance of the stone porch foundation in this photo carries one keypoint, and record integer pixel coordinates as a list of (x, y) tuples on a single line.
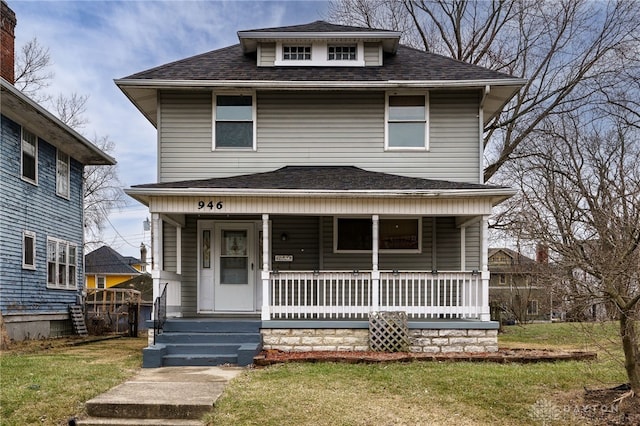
[(354, 336)]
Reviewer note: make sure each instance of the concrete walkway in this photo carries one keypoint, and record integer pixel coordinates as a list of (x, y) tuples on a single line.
[(177, 396)]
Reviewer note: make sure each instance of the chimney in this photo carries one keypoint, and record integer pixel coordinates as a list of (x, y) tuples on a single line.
[(542, 253), (7, 41)]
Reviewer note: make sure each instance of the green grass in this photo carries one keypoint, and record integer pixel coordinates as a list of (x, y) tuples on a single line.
[(46, 382), (427, 393)]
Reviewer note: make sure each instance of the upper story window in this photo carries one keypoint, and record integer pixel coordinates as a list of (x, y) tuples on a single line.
[(407, 126), (29, 160), (61, 264), (234, 118), (296, 53), (343, 53), (28, 250), (101, 281), (62, 174)]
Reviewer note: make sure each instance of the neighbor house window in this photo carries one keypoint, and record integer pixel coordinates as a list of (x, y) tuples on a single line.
[(61, 264), (502, 279), (101, 281), (356, 234), (62, 174), (532, 307), (29, 160), (296, 53), (406, 122), (28, 250), (342, 53), (234, 121)]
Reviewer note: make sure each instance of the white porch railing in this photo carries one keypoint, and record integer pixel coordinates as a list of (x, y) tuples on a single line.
[(345, 295)]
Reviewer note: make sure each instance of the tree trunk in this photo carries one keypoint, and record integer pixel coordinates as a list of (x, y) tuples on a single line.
[(630, 347)]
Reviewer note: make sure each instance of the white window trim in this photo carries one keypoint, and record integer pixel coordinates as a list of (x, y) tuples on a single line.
[(22, 143), (395, 251), (319, 55), (426, 122), (63, 286), (104, 277), (25, 265), (68, 194), (532, 303), (254, 116)]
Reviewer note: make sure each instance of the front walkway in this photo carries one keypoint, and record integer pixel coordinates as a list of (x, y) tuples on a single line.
[(177, 396)]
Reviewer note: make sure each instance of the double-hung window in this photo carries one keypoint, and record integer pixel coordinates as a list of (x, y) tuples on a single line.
[(234, 118), (28, 250), (61, 264), (407, 126), (29, 160), (62, 174), (399, 235)]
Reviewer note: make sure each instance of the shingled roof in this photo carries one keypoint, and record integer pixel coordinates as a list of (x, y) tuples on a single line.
[(231, 64), (316, 27), (106, 260), (320, 178)]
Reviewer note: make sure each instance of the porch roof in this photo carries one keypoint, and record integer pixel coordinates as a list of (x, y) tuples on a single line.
[(321, 181)]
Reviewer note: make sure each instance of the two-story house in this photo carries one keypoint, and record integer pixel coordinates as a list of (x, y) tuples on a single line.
[(105, 268), (312, 175), (41, 208)]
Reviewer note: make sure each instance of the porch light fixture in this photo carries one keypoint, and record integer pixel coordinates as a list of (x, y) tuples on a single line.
[(284, 236)]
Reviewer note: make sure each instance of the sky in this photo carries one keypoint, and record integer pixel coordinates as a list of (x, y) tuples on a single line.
[(92, 43)]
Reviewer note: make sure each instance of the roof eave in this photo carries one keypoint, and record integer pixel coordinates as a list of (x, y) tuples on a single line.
[(497, 195), (31, 112), (142, 92)]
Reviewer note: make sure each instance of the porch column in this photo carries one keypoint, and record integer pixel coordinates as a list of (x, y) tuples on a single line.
[(266, 315), (156, 256), (485, 314), (375, 273)]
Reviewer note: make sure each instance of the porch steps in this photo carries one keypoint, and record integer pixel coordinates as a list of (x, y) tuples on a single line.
[(205, 342)]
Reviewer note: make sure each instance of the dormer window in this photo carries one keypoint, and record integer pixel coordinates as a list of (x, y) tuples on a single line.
[(296, 53), (343, 53)]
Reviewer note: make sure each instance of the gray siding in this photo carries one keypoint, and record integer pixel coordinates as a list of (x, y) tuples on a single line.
[(473, 247), (27, 207), (372, 54), (267, 55), (189, 267), (169, 252), (318, 128)]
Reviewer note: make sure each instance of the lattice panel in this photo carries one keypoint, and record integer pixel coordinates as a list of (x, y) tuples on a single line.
[(388, 332)]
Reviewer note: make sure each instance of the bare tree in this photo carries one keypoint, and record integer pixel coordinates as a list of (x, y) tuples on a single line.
[(102, 189), (581, 197), (567, 50)]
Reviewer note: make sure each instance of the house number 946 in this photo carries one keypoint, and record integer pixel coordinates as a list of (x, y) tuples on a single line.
[(210, 205)]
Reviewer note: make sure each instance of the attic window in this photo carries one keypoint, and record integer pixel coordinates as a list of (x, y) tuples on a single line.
[(296, 53), (343, 53)]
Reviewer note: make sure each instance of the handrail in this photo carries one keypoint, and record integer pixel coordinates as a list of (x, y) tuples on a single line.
[(159, 312)]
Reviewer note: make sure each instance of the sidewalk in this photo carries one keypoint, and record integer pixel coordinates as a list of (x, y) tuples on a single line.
[(161, 396)]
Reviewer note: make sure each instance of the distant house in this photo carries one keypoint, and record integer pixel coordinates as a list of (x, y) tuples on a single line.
[(311, 176), (106, 268), (42, 162), (518, 287)]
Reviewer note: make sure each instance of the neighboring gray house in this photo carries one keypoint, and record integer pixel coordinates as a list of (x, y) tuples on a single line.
[(41, 208), (313, 174)]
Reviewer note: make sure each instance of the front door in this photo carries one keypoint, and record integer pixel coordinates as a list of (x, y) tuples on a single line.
[(234, 267)]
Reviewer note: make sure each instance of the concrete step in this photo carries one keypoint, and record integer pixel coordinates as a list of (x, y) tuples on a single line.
[(196, 325), (103, 421), (177, 337), (202, 348), (145, 400), (198, 360)]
